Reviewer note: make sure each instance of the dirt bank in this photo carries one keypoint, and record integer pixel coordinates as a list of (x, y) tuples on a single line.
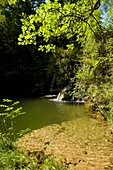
[(80, 146)]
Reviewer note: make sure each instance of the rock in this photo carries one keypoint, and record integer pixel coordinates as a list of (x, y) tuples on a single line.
[(111, 130)]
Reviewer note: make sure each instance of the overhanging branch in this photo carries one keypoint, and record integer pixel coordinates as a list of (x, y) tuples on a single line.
[(95, 7)]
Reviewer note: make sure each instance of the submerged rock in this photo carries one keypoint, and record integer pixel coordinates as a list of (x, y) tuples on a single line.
[(78, 144)]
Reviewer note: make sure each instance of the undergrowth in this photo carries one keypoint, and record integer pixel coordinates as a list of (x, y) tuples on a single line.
[(11, 158)]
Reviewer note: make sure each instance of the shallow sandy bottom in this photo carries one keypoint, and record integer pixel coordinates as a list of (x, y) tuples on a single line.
[(81, 146)]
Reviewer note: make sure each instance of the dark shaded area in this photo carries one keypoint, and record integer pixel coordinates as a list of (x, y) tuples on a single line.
[(25, 71)]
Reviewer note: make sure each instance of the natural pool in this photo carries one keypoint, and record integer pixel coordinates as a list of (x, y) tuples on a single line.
[(41, 112), (67, 131), (70, 131)]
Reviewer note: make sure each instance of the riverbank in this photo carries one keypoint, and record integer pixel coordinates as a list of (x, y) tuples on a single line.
[(77, 144)]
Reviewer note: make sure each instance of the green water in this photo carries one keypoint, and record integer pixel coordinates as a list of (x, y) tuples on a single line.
[(42, 112)]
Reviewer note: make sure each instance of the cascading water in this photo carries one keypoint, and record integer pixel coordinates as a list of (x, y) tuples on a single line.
[(61, 95)]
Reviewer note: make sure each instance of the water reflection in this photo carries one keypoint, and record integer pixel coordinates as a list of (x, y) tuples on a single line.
[(42, 112)]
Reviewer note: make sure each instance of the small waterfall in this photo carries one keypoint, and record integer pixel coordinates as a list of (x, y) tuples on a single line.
[(61, 95)]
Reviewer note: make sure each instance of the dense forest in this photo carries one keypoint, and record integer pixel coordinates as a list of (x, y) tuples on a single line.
[(47, 45)]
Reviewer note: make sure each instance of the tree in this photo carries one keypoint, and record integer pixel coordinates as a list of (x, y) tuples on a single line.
[(22, 68), (82, 19), (59, 26), (95, 76), (56, 20)]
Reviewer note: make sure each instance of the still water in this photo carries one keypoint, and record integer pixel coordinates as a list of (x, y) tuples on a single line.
[(42, 112)]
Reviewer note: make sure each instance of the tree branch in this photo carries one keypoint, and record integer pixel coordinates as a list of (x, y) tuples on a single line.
[(95, 7)]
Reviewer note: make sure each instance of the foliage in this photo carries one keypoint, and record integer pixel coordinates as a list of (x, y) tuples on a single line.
[(10, 156), (54, 21), (9, 111), (93, 29), (65, 66), (95, 76), (79, 35), (51, 164)]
